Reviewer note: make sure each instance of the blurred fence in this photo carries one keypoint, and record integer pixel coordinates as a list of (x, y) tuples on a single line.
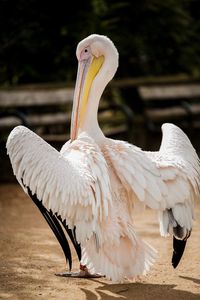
[(130, 109)]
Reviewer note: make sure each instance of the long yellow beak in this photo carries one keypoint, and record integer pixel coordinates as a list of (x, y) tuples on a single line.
[(87, 71)]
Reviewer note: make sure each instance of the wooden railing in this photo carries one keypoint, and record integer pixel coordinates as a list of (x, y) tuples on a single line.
[(47, 111), (127, 104)]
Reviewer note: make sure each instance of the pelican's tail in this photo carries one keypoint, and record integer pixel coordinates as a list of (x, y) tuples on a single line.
[(127, 259)]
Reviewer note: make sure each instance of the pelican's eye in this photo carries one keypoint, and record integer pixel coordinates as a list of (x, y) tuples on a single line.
[(85, 53)]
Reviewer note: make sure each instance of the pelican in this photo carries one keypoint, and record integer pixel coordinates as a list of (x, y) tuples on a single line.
[(94, 184)]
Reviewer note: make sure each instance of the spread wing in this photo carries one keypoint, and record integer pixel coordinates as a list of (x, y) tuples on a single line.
[(72, 184), (163, 180)]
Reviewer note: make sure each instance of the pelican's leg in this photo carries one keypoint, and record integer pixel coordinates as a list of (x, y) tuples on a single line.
[(83, 273)]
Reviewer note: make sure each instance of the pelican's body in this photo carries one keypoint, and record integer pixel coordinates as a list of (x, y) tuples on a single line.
[(94, 183)]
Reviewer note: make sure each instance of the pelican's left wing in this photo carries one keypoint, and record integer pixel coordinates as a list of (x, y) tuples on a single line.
[(161, 180), (72, 184)]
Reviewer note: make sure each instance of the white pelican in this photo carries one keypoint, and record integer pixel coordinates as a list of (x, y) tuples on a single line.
[(94, 183)]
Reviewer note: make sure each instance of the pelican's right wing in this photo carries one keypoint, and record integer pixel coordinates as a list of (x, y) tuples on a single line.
[(73, 184)]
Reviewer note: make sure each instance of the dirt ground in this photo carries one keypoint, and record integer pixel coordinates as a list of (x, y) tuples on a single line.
[(30, 255)]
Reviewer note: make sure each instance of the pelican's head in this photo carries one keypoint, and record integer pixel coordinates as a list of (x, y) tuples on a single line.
[(97, 64)]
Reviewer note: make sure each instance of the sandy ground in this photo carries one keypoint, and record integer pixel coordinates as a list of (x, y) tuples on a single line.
[(30, 255)]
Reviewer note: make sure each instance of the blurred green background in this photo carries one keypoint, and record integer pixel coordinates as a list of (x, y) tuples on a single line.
[(38, 38)]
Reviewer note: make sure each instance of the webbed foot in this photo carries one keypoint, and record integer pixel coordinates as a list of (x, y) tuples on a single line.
[(83, 273)]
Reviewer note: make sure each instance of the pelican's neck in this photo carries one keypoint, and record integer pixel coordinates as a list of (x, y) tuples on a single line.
[(90, 123)]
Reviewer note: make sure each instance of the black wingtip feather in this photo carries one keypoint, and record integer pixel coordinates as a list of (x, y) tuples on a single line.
[(178, 250), (72, 235), (53, 223)]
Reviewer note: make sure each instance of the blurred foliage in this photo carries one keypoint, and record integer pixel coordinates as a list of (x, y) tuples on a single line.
[(38, 38)]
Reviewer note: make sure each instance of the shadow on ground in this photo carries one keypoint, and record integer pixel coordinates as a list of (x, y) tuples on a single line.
[(139, 291)]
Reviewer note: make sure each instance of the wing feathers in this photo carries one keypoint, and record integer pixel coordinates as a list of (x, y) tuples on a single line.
[(160, 179), (68, 183)]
